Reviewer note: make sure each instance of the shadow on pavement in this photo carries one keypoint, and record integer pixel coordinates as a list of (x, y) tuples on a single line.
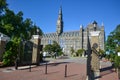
[(106, 70), (72, 75)]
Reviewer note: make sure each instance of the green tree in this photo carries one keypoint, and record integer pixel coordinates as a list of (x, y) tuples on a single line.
[(53, 48), (17, 28), (48, 48), (56, 48), (11, 53), (101, 53), (113, 46), (117, 62), (3, 5), (113, 41), (79, 52)]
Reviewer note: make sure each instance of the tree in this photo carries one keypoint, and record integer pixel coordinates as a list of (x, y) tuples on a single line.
[(56, 48), (101, 53), (53, 48), (117, 61), (17, 28), (113, 41), (113, 46), (79, 52), (3, 5), (48, 48), (11, 53)]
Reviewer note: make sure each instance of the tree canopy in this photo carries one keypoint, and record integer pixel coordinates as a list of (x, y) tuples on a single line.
[(52, 48), (3, 5), (113, 46), (17, 28), (113, 41)]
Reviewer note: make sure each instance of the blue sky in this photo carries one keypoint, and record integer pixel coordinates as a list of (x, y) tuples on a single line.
[(44, 13)]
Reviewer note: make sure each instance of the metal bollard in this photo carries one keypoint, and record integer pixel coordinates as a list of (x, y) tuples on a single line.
[(16, 64), (30, 67), (65, 70), (46, 68)]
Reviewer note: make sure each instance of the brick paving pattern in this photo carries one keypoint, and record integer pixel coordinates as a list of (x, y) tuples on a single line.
[(76, 70)]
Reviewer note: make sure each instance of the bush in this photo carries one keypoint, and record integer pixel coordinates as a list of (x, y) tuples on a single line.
[(79, 52), (117, 62), (60, 53), (8, 59), (11, 52)]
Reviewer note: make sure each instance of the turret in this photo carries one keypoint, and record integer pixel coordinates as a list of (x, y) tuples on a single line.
[(81, 36), (102, 26), (95, 25)]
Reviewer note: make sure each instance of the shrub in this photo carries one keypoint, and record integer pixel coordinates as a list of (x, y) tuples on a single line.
[(79, 52), (7, 58)]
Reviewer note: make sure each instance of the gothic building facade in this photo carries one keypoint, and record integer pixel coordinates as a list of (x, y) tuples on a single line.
[(75, 39)]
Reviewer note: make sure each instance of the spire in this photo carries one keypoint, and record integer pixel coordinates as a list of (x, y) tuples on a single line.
[(94, 22), (81, 26), (60, 13), (60, 22), (95, 25), (102, 26)]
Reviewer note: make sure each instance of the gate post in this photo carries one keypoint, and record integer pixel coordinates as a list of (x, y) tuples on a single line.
[(36, 49)]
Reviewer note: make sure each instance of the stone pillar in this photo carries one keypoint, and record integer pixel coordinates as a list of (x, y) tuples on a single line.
[(95, 39), (36, 49), (3, 41), (95, 64)]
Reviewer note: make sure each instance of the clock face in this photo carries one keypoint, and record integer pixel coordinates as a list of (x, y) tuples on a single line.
[(95, 45)]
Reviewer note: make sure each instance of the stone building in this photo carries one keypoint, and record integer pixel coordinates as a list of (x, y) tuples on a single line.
[(75, 39), (3, 40)]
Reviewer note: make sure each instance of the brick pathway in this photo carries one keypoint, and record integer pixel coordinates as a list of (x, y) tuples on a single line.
[(55, 72), (76, 70), (107, 72)]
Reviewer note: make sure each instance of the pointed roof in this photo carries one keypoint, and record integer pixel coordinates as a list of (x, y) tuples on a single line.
[(102, 24), (60, 11), (60, 14), (94, 22)]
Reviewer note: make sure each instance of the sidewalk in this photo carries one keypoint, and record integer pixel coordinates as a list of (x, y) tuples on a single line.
[(107, 72), (54, 72), (76, 70)]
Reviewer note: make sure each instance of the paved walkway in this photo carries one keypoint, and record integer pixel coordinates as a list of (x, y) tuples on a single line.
[(76, 70), (107, 72)]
